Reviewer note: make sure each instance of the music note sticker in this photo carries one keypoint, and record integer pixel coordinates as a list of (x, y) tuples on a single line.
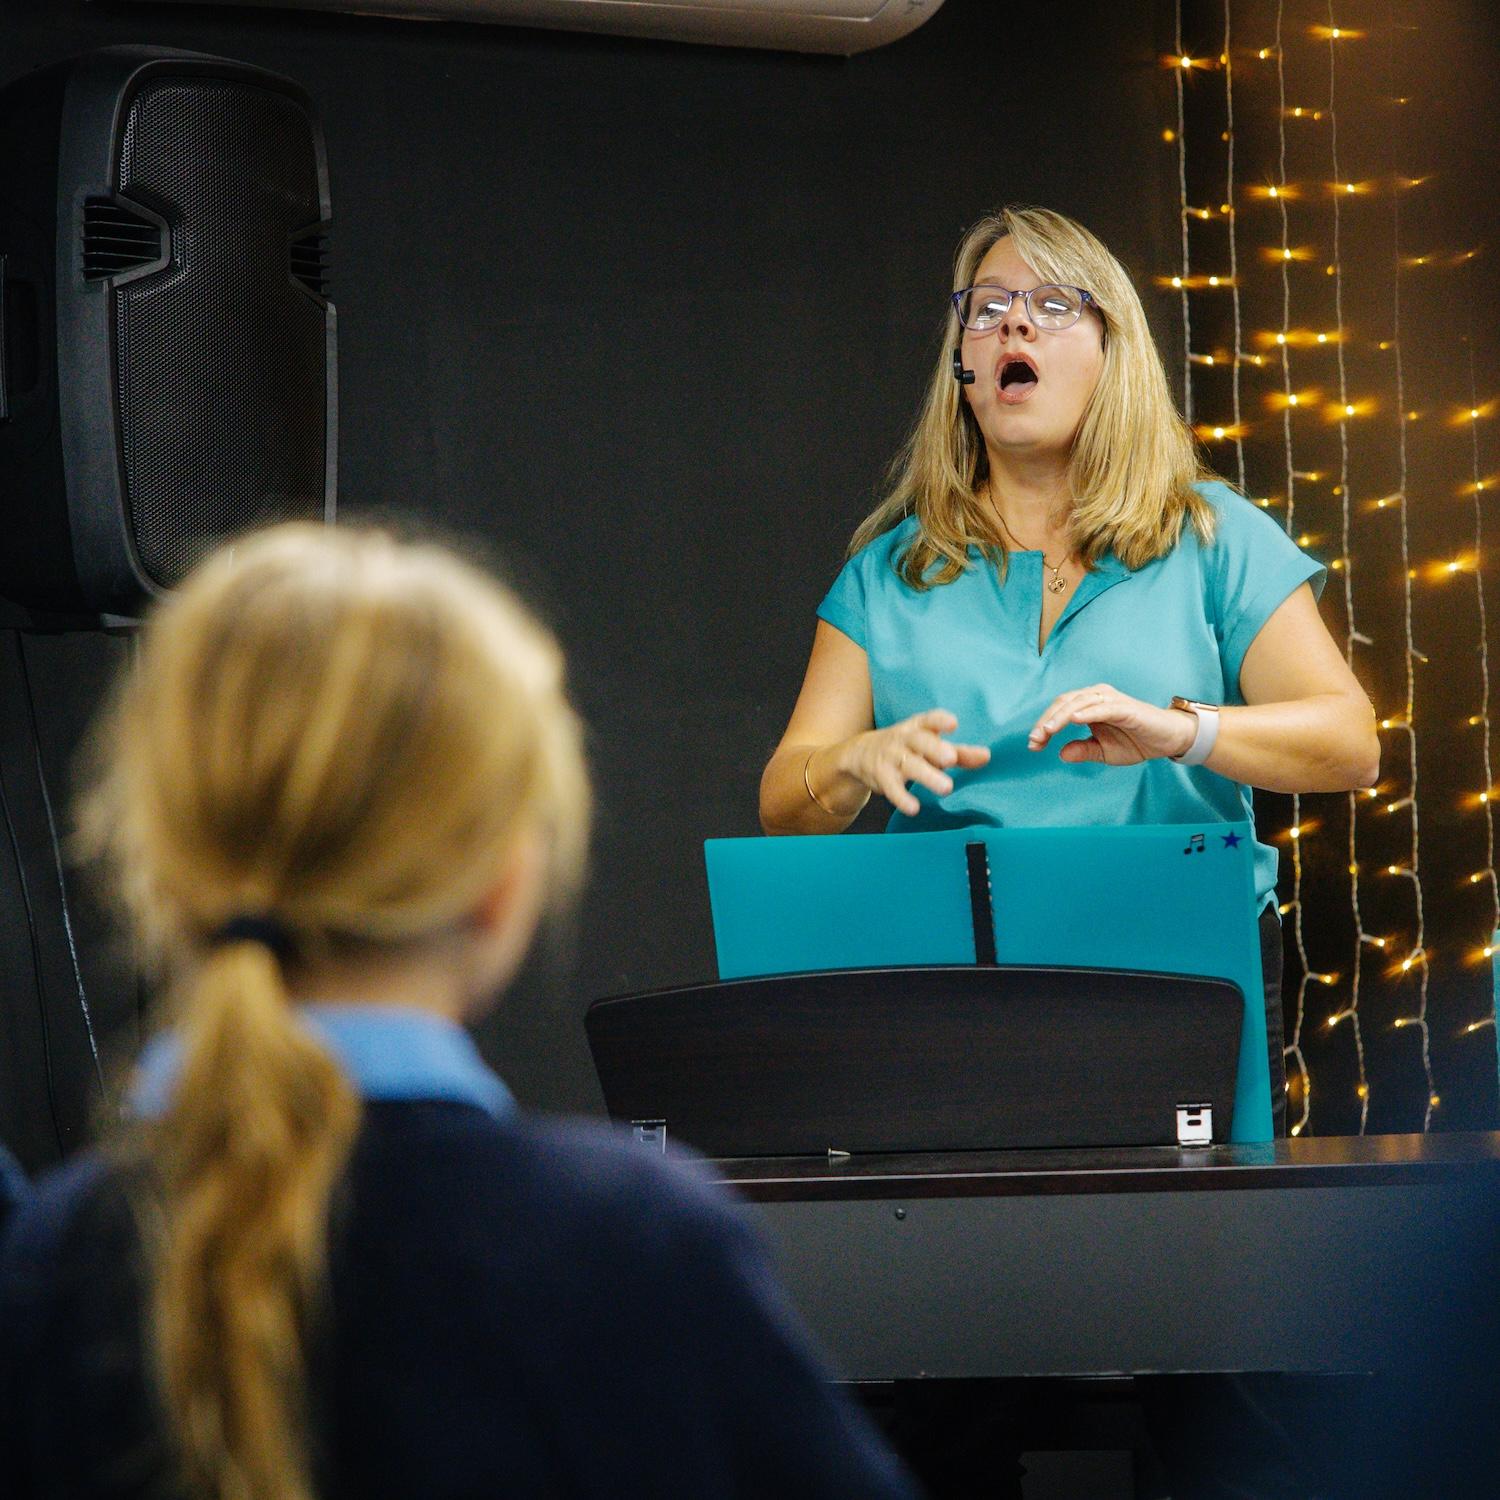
[(1194, 844)]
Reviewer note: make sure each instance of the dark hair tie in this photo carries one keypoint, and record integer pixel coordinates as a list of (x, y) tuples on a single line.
[(249, 928)]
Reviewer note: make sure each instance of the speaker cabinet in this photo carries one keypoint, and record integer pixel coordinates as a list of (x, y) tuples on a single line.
[(167, 364)]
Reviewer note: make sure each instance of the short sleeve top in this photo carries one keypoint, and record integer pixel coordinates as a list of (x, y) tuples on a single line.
[(1180, 624)]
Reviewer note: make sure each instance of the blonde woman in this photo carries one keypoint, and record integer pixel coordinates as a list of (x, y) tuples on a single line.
[(1057, 615), (329, 1257)]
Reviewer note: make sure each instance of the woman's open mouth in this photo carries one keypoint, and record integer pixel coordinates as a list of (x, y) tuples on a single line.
[(1017, 379)]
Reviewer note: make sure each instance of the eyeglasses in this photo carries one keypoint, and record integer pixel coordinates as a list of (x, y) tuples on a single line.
[(1052, 308)]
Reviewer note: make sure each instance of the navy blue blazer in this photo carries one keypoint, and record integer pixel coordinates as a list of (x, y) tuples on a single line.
[(516, 1308)]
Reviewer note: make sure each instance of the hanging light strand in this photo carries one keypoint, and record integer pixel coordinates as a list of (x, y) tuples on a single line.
[(1351, 630), (1182, 216), (1478, 491), (1413, 869), (1292, 1051), (1234, 267)]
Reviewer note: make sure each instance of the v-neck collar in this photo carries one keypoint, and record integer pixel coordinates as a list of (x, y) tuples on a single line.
[(1104, 575)]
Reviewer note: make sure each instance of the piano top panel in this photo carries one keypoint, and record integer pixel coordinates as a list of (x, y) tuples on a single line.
[(1329, 1161)]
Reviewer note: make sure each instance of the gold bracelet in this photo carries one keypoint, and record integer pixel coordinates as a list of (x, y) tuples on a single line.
[(807, 782)]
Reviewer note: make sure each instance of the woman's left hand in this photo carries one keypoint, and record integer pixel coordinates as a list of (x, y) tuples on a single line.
[(1123, 731)]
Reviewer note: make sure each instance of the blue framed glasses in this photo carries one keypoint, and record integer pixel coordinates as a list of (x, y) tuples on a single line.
[(1052, 308)]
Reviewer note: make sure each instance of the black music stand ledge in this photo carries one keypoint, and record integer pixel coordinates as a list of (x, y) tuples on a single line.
[(972, 1057)]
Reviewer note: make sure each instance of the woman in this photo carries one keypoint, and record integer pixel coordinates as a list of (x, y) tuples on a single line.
[(329, 1258), (1054, 564)]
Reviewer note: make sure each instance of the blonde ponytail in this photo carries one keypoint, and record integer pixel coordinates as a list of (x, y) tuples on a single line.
[(258, 1131)]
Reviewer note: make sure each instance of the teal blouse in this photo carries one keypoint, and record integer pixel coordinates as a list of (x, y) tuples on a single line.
[(1181, 624)]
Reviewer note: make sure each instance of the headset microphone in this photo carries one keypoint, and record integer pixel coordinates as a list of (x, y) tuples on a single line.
[(960, 374)]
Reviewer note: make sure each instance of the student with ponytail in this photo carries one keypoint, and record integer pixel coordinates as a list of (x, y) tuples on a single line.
[(326, 1256)]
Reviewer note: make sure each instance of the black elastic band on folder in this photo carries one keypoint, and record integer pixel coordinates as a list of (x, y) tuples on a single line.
[(981, 906)]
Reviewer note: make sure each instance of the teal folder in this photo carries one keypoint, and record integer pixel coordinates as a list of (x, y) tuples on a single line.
[(1164, 898)]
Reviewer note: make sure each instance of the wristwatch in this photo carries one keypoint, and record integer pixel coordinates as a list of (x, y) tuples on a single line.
[(1207, 715)]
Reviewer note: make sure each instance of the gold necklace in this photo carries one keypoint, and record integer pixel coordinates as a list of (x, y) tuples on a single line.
[(1055, 584)]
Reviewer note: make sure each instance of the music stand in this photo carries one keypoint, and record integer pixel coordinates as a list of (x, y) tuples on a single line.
[(1160, 899), (975, 1057)]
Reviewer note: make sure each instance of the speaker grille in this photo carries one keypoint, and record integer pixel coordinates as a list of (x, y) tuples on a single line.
[(221, 358)]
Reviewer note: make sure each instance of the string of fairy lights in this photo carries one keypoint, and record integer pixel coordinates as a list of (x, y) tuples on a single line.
[(1296, 1059), (1294, 1052), (1236, 416), (1348, 1014), (1400, 791), (1407, 723), (1476, 488), (1182, 279)]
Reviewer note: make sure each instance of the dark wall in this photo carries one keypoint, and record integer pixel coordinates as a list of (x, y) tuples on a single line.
[(651, 320)]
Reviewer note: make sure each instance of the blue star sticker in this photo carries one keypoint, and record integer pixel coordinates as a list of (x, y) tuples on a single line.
[(1231, 840)]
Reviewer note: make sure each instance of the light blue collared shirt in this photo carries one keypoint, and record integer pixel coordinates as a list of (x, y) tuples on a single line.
[(387, 1051)]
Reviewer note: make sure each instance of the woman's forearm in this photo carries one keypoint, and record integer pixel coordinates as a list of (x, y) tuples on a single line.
[(1325, 743), (804, 790)]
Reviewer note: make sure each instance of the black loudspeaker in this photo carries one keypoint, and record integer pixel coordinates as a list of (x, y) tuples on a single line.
[(167, 364)]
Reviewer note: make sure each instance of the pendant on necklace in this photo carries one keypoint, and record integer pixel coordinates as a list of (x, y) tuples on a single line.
[(1056, 585)]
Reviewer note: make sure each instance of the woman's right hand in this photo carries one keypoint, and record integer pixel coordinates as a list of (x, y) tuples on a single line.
[(888, 760), (832, 758)]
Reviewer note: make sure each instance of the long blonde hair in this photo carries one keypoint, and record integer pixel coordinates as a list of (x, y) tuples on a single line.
[(347, 735), (1134, 460)]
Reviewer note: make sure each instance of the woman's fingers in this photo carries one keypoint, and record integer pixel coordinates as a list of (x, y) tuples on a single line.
[(1051, 720), (914, 752), (893, 789), (937, 719), (912, 764), (1084, 706), (1117, 734), (1124, 730), (919, 770), (1077, 751), (937, 751), (931, 726)]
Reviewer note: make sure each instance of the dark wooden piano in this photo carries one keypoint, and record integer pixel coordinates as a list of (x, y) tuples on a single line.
[(917, 1254), (1361, 1275), (1308, 1255)]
